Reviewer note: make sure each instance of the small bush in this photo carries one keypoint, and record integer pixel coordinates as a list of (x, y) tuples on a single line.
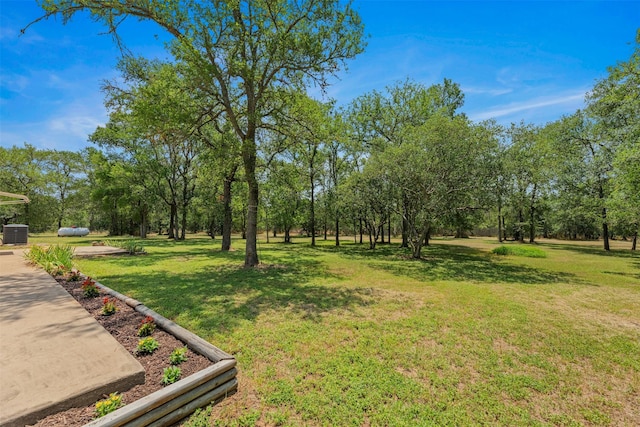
[(131, 246), (147, 345), (109, 306), (74, 275), (108, 405), (519, 250), (147, 327), (89, 288), (178, 356), (170, 375)]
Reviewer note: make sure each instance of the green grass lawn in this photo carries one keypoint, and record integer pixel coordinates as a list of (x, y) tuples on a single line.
[(346, 336)]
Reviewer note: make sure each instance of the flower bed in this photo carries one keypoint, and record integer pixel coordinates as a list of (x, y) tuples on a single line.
[(208, 373)]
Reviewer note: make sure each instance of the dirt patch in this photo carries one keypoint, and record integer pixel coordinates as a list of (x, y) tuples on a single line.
[(124, 325)]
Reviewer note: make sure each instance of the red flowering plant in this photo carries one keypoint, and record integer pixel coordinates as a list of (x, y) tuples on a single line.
[(73, 275), (147, 327), (89, 288), (108, 306)]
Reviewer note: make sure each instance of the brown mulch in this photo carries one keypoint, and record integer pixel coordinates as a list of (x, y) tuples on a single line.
[(123, 325)]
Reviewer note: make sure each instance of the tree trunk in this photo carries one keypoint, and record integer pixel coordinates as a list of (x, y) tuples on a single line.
[(504, 230), (532, 217), (382, 233), (212, 229), (355, 232), (172, 220), (417, 248), (389, 229), (313, 214), (605, 225), (227, 222), (405, 237), (249, 156), (360, 230), (605, 229), (143, 221), (520, 222), (183, 232), (634, 241), (499, 224), (287, 236), (532, 225), (337, 231)]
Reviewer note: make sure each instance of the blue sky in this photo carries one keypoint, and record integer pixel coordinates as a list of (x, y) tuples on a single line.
[(515, 60)]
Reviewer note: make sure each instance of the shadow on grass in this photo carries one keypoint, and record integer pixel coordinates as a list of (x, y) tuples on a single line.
[(180, 252), (449, 262), (218, 299), (591, 250)]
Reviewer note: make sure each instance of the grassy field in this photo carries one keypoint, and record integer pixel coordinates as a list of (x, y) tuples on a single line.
[(346, 336)]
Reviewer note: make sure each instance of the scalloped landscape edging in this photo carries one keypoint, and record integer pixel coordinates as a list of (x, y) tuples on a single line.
[(178, 400)]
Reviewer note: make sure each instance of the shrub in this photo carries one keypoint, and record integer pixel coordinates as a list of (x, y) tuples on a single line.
[(108, 405), (131, 246), (519, 250), (147, 327), (170, 375), (74, 275), (89, 288), (178, 356), (147, 345), (109, 306)]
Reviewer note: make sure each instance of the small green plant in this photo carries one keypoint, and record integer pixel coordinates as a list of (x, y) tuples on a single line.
[(178, 356), (170, 375), (147, 327), (74, 275), (109, 306), (108, 405), (89, 288), (131, 246), (526, 251), (147, 345), (200, 418)]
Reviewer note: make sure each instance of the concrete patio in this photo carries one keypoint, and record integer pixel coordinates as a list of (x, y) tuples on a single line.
[(54, 354)]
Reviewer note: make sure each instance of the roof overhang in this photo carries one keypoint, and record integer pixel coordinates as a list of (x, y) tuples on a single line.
[(20, 198)]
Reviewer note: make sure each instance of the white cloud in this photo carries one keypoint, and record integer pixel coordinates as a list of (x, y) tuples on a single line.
[(477, 90), (568, 101), (66, 128), (14, 82)]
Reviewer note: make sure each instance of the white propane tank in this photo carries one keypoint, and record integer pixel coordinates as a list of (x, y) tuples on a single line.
[(72, 231)]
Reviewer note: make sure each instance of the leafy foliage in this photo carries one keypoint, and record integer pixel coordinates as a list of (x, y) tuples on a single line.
[(178, 356), (55, 259), (170, 375), (147, 345), (108, 405), (147, 327)]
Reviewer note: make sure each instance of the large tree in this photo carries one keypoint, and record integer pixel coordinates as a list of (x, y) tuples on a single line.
[(243, 52), (614, 105), (380, 120), (437, 188), (154, 120)]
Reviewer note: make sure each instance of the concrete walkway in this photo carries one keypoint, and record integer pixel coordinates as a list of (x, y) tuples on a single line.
[(54, 355)]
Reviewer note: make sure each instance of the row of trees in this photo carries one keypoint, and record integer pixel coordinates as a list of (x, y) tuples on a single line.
[(224, 137)]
